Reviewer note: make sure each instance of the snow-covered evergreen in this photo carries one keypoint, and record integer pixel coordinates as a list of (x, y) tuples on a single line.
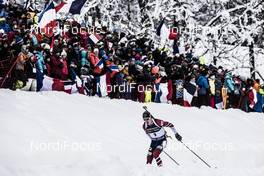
[(218, 30)]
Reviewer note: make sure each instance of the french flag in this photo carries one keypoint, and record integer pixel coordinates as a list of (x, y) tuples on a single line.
[(104, 85), (100, 64), (72, 6), (94, 38), (114, 68), (188, 93), (60, 6), (52, 84), (47, 16), (164, 90), (76, 6), (163, 32)]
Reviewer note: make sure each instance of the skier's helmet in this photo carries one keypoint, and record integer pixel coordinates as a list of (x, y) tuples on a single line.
[(146, 115)]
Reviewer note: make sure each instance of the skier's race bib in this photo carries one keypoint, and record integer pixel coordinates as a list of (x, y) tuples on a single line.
[(157, 134)]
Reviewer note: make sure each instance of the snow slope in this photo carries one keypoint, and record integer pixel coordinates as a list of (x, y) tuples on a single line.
[(33, 125)]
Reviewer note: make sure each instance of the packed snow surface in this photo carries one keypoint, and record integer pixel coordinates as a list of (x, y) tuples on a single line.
[(56, 134)]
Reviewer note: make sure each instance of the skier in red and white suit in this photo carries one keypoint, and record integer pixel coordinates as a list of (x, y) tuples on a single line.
[(154, 129)]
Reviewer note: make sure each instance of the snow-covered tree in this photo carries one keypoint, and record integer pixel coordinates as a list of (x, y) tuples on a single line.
[(218, 29)]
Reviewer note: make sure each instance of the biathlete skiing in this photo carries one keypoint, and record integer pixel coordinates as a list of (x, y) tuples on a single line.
[(154, 128)]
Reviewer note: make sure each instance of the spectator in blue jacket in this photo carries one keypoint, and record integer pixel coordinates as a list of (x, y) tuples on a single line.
[(40, 68), (203, 87), (230, 85)]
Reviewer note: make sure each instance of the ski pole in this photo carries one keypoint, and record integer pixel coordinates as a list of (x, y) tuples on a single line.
[(171, 158), (196, 155), (145, 107)]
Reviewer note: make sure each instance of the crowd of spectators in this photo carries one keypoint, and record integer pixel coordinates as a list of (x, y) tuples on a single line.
[(124, 58)]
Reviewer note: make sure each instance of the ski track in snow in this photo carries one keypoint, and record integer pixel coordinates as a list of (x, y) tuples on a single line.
[(116, 126)]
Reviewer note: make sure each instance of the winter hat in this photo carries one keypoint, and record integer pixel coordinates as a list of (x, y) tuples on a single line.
[(146, 115), (139, 68), (19, 41), (100, 44), (45, 46), (83, 53), (29, 55), (24, 48), (138, 56), (96, 50), (139, 63), (2, 20), (195, 66), (149, 62), (63, 53), (139, 50), (219, 71), (144, 57), (132, 59), (162, 73), (212, 76), (177, 55), (203, 71)]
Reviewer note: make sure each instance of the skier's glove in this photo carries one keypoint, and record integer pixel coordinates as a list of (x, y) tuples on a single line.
[(178, 137)]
